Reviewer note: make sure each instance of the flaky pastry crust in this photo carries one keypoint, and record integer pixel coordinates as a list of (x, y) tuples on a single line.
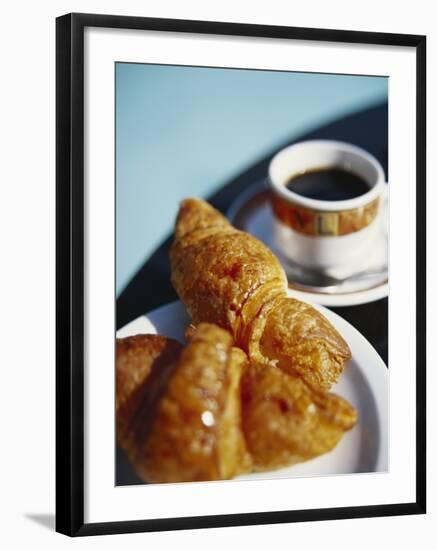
[(187, 426), (286, 422), (228, 277)]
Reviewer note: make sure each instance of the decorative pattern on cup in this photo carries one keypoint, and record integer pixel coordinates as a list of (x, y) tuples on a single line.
[(324, 224)]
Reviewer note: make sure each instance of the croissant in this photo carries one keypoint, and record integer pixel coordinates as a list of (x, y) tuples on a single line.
[(139, 359), (228, 277), (286, 422), (204, 413), (179, 414)]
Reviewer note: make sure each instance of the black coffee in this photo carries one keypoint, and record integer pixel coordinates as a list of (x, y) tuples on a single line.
[(328, 184)]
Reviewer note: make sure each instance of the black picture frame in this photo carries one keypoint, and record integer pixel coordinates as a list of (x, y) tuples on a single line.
[(70, 273)]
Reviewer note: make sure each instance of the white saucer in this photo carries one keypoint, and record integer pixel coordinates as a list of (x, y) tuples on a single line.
[(251, 212), (364, 384)]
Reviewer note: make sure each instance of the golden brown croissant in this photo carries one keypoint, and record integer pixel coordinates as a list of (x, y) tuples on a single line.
[(228, 277), (286, 422), (186, 424), (141, 358)]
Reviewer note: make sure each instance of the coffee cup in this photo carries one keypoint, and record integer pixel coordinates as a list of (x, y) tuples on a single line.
[(326, 199)]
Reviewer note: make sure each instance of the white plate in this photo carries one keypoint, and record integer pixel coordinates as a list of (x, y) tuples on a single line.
[(364, 384), (251, 212)]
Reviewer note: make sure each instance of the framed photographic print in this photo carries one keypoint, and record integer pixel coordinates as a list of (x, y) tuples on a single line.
[(240, 274)]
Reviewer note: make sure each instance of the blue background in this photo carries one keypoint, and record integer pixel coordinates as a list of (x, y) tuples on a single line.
[(186, 131)]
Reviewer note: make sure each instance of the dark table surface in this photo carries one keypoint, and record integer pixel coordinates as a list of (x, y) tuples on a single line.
[(151, 287)]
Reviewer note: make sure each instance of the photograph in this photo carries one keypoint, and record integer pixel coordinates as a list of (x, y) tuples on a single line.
[(251, 228)]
